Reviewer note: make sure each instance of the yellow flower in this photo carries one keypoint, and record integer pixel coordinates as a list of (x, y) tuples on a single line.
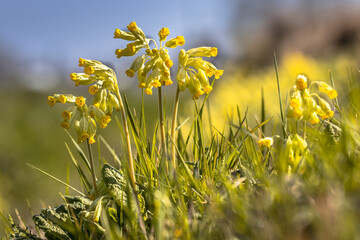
[(104, 121), (81, 62), (62, 99), (323, 87), (218, 74), (326, 108), (174, 42), (314, 118), (180, 40), (66, 115), (295, 103), (73, 76), (213, 52), (89, 70), (156, 83), (83, 136), (207, 89), (65, 124), (197, 94), (118, 53), (163, 33), (91, 140), (136, 31), (130, 72), (203, 52), (169, 63), (267, 142), (301, 82), (51, 101), (132, 27), (124, 35), (165, 80), (148, 91), (93, 89), (80, 101), (142, 85), (128, 51)]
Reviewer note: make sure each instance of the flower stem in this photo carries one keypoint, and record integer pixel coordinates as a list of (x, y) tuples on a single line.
[(162, 125), (92, 166), (173, 137), (127, 137), (131, 164)]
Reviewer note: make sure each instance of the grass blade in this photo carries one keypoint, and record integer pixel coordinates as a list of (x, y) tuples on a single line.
[(56, 179)]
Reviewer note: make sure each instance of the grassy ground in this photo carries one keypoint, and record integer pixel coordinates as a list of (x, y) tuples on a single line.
[(224, 186)]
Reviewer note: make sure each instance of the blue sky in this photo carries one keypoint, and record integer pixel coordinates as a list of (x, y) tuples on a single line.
[(42, 33), (68, 29), (45, 34)]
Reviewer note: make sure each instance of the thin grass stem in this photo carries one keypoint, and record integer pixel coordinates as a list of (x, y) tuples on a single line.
[(162, 125), (279, 93), (173, 127), (127, 138), (92, 166)]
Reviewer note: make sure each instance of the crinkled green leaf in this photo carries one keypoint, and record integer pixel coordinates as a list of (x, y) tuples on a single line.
[(115, 183), (52, 232)]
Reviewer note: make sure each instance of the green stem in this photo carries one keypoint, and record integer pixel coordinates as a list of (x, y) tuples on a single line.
[(92, 167), (131, 164), (279, 93), (162, 125), (173, 137), (127, 137)]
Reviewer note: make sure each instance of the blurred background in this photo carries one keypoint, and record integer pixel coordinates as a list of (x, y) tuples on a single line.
[(41, 41)]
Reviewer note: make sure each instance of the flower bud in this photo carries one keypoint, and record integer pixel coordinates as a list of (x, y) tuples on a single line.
[(163, 33), (124, 35), (267, 142), (301, 82)]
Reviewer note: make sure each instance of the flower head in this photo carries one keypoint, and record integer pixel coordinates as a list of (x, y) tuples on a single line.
[(194, 72), (266, 142), (163, 33), (309, 106)]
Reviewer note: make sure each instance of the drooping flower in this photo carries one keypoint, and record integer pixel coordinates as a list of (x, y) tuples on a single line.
[(153, 67), (194, 72), (309, 106)]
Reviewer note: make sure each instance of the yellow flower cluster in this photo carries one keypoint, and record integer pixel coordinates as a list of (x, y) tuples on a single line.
[(153, 67), (295, 149), (103, 84), (310, 106), (194, 72), (81, 116)]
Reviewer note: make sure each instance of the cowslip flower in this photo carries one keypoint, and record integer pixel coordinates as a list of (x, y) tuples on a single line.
[(266, 142), (194, 72), (103, 84), (60, 98), (295, 148), (153, 67), (82, 117), (309, 106)]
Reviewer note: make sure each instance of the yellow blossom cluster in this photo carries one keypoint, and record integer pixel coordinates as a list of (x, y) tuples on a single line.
[(295, 149), (194, 72), (310, 106), (153, 67), (103, 84), (83, 118)]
